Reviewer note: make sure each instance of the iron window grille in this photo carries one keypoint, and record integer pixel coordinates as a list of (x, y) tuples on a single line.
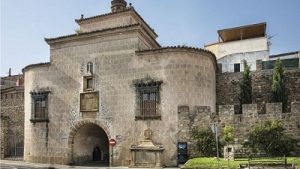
[(148, 99), (39, 111)]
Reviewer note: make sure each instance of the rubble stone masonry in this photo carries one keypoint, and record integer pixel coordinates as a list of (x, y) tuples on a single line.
[(12, 122), (191, 118), (228, 89)]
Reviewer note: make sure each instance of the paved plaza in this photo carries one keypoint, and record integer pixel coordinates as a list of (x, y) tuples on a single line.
[(7, 164)]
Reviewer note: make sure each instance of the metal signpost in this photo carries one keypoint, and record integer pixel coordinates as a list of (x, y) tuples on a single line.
[(112, 143), (217, 142), (215, 130)]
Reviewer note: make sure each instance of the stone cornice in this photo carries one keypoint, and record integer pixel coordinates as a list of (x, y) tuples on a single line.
[(34, 66), (180, 49), (87, 34), (121, 29), (148, 37)]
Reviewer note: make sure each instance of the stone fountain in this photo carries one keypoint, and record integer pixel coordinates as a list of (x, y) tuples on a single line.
[(146, 154)]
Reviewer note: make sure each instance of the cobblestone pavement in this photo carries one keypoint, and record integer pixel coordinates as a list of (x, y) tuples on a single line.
[(7, 164)]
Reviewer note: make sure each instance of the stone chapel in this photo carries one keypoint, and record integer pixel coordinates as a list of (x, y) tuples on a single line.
[(112, 94)]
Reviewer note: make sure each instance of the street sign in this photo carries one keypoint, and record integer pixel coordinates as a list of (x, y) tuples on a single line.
[(112, 142), (215, 128)]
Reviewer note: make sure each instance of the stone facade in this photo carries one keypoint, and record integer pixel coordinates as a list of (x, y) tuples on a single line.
[(121, 56), (12, 116)]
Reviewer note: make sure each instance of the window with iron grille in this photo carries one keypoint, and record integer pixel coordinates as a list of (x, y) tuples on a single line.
[(148, 100), (39, 111)]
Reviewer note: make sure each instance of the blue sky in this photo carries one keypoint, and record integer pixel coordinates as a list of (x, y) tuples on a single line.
[(25, 23)]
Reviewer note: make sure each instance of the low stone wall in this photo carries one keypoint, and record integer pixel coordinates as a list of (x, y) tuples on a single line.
[(201, 117), (251, 116)]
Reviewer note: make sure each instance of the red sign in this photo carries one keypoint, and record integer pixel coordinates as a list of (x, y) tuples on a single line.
[(112, 142)]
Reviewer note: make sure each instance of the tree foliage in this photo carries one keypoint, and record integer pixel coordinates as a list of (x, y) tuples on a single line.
[(245, 86), (278, 87), (228, 134), (206, 142), (269, 138)]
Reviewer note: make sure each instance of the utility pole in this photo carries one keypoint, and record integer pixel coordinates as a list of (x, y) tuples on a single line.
[(217, 142)]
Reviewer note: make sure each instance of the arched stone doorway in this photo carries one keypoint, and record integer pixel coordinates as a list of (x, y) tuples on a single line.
[(90, 145)]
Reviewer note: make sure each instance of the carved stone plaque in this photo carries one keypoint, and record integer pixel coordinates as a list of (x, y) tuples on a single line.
[(89, 102)]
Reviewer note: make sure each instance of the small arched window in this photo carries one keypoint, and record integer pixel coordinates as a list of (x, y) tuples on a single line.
[(89, 67)]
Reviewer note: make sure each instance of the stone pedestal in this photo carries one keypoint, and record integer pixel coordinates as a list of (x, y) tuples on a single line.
[(146, 155), (229, 152)]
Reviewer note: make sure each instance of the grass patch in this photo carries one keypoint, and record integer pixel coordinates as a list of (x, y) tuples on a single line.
[(207, 163), (210, 163), (294, 160)]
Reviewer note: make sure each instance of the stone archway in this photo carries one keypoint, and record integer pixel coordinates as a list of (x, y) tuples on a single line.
[(89, 142)]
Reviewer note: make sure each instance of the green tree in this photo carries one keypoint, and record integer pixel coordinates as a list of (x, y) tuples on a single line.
[(245, 86), (278, 87), (206, 142), (228, 134), (269, 138)]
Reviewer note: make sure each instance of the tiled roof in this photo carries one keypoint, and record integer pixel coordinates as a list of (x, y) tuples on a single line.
[(35, 65), (102, 15), (87, 33), (177, 47), (5, 89), (112, 13)]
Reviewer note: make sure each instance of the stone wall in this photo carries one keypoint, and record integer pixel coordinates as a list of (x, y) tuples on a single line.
[(190, 119), (12, 123), (200, 117), (228, 87), (4, 137), (251, 116)]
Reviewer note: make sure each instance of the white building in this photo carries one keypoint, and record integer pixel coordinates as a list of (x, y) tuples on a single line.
[(247, 42)]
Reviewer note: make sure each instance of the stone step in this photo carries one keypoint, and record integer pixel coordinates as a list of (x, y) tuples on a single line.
[(14, 158)]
